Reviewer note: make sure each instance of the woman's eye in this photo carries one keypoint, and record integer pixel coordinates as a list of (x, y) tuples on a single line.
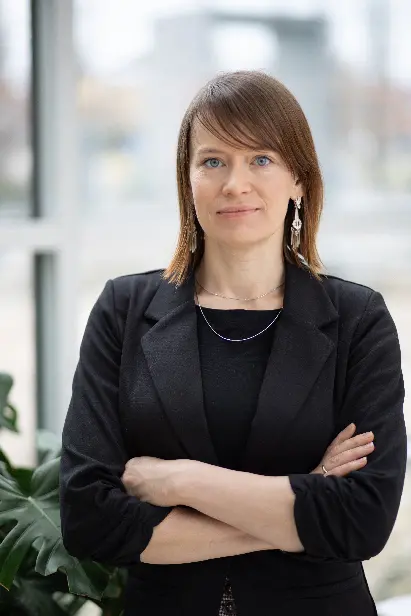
[(212, 163), (262, 161)]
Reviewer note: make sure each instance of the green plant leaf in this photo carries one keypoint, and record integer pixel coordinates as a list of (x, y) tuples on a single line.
[(5, 464), (8, 414), (21, 475), (115, 587), (37, 516), (48, 445), (35, 595)]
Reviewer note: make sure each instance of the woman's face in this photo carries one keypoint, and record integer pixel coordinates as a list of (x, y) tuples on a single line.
[(240, 196)]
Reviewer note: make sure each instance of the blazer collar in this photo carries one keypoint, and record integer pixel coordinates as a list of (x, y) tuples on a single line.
[(302, 343), (315, 309)]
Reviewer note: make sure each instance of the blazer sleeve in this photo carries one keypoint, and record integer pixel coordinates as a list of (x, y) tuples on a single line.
[(351, 518), (99, 520)]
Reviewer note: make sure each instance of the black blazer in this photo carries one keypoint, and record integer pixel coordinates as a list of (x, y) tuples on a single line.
[(137, 391)]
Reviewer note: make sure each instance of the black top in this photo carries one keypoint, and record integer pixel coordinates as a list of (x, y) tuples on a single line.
[(232, 373)]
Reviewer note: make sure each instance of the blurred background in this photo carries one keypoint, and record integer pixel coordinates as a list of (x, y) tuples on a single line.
[(91, 96)]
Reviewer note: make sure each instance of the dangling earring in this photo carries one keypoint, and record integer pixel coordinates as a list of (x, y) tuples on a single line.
[(191, 231), (296, 226), (193, 239)]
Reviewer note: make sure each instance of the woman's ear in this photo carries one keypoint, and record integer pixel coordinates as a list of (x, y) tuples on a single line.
[(299, 188)]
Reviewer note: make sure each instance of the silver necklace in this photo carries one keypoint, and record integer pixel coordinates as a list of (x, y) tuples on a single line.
[(236, 339), (240, 299)]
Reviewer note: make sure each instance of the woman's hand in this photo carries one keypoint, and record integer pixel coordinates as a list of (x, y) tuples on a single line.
[(346, 453), (154, 480)]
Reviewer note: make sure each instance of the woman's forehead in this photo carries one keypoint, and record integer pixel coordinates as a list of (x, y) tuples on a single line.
[(204, 139)]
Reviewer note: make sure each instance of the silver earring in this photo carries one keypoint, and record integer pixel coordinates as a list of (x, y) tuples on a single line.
[(296, 225), (191, 230), (193, 239)]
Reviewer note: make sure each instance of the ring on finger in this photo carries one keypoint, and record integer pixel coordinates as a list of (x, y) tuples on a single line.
[(324, 470)]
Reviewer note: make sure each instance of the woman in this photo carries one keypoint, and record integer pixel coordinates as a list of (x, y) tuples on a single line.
[(210, 442)]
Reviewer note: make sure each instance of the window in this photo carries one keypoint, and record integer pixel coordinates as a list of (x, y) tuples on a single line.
[(15, 141)]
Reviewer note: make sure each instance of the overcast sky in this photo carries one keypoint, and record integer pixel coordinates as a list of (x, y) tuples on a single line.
[(111, 33)]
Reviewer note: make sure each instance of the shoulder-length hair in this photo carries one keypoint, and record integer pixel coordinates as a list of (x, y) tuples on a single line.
[(253, 110)]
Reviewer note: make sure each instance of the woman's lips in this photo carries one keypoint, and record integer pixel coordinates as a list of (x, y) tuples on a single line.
[(236, 213)]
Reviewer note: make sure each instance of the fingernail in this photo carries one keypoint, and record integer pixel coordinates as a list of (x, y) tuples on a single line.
[(369, 434)]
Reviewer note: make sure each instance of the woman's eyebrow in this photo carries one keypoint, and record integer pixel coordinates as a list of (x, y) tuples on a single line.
[(209, 150), (202, 151)]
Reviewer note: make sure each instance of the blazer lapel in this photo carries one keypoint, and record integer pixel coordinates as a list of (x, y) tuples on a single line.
[(302, 343), (171, 351), (301, 346)]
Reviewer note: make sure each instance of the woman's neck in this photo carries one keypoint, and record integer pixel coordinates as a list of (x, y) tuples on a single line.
[(240, 274)]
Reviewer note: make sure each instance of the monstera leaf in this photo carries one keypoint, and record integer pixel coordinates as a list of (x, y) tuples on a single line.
[(48, 446), (30, 519), (37, 575), (35, 595), (8, 414)]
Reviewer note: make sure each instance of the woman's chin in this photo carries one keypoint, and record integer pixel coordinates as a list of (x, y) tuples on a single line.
[(243, 240)]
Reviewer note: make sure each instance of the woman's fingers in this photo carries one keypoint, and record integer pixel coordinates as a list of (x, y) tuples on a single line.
[(347, 452), (351, 443), (345, 457), (344, 469), (344, 435)]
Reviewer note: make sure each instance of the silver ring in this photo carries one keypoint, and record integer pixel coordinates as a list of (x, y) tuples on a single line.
[(324, 469)]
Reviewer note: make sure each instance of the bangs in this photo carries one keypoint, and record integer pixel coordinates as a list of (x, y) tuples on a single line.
[(236, 120)]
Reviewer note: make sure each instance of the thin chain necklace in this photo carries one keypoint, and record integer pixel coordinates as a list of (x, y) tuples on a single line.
[(240, 299), (236, 339)]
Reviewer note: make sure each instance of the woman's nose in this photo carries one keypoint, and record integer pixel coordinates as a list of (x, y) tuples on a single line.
[(237, 182)]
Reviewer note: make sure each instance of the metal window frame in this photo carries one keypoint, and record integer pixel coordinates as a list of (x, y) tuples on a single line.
[(51, 233)]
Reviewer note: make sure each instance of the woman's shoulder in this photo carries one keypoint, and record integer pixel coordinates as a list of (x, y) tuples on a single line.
[(344, 290), (136, 288), (142, 281), (354, 300), (125, 294)]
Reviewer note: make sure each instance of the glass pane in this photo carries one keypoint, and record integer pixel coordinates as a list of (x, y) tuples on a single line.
[(127, 156), (15, 148), (17, 351)]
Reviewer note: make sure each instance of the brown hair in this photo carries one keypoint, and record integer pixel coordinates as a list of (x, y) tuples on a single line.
[(250, 109)]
